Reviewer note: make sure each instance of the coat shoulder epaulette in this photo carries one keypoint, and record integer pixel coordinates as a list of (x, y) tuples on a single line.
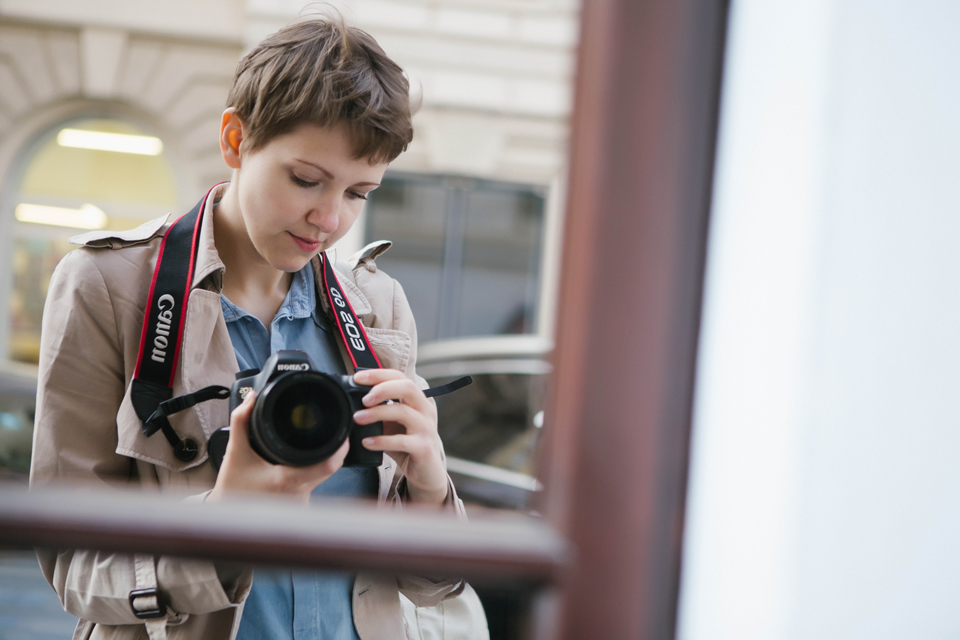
[(369, 254), (103, 238)]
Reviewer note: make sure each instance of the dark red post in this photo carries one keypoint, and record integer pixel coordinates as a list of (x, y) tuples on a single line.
[(644, 131)]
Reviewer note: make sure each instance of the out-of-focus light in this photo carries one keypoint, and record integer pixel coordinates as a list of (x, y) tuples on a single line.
[(538, 420), (86, 217), (10, 421), (101, 141)]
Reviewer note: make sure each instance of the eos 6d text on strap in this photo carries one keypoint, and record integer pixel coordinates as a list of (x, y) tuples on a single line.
[(160, 339), (351, 331), (355, 336)]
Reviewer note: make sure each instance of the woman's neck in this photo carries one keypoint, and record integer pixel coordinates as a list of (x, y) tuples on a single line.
[(249, 281)]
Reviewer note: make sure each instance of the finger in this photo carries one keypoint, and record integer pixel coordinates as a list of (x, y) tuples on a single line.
[(240, 417), (404, 390), (239, 441), (413, 420), (371, 377), (406, 443)]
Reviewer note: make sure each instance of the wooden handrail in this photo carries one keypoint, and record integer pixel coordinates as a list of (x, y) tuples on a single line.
[(493, 547)]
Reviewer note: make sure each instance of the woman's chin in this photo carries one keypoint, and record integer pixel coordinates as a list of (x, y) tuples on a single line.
[(289, 264)]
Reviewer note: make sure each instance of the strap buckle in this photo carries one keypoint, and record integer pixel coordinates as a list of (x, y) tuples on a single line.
[(158, 611)]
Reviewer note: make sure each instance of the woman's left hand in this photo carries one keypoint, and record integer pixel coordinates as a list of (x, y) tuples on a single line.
[(409, 431)]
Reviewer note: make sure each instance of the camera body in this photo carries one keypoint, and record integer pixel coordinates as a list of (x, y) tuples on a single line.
[(301, 415)]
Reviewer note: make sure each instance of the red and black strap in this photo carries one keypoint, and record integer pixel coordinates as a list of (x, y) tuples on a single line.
[(160, 339), (351, 329), (355, 336)]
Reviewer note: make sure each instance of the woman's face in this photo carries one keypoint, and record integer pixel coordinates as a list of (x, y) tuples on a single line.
[(301, 192)]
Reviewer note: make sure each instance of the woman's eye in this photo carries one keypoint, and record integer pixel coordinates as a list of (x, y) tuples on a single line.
[(302, 183), (357, 196)]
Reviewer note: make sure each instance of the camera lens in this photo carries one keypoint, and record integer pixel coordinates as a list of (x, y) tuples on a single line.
[(304, 417), (300, 419)]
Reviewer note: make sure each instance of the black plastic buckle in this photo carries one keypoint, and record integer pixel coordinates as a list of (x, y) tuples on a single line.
[(145, 614)]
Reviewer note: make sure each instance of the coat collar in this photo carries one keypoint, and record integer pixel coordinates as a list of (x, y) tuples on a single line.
[(208, 260)]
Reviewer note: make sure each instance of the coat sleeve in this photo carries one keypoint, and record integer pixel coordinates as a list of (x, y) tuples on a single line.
[(81, 384)]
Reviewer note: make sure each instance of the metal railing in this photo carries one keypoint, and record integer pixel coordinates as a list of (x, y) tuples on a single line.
[(334, 534)]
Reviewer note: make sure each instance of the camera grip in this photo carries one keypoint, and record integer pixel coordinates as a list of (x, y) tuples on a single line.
[(217, 446), (360, 456)]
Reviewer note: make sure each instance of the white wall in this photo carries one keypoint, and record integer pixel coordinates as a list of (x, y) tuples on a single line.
[(825, 485)]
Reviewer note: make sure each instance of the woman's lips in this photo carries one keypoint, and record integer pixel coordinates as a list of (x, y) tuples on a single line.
[(304, 243)]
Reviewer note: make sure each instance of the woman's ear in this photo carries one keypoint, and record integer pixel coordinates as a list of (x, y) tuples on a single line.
[(231, 137)]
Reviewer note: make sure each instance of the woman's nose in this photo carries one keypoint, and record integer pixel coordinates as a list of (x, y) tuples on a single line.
[(325, 214)]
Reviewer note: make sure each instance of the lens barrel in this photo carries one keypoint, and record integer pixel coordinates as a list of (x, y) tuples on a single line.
[(300, 418)]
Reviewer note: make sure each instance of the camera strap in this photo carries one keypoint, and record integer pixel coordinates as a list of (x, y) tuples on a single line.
[(160, 339), (152, 387), (348, 324), (355, 336)]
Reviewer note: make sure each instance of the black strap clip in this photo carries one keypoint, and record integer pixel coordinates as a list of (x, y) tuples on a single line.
[(157, 611), (450, 387), (187, 400), (185, 450)]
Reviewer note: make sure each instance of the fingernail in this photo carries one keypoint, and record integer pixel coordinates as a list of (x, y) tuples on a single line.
[(361, 377), (360, 416), (367, 442), (368, 400)]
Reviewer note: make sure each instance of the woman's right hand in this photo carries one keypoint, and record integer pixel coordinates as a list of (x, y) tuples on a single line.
[(243, 471)]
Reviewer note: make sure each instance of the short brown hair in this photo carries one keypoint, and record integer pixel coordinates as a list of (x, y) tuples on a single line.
[(322, 72)]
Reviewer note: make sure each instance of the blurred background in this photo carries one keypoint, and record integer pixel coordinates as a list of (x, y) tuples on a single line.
[(109, 117), (824, 490)]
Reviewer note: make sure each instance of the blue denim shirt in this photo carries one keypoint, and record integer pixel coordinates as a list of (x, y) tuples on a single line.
[(285, 605)]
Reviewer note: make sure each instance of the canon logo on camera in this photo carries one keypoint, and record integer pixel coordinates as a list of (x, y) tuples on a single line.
[(303, 366)]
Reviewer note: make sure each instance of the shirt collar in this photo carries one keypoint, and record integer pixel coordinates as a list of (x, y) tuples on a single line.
[(300, 301), (302, 297)]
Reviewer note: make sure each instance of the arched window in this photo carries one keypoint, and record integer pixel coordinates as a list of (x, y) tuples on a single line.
[(90, 173)]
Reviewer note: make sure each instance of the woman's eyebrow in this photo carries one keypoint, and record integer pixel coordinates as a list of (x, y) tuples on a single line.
[(326, 173), (330, 176)]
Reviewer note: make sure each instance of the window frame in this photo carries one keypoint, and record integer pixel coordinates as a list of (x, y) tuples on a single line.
[(644, 134), (457, 190)]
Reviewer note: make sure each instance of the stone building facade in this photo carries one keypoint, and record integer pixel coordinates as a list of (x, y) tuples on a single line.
[(493, 79)]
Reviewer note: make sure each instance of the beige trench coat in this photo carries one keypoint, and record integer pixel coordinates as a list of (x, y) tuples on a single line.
[(87, 430)]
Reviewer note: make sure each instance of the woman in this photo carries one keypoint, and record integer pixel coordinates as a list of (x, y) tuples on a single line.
[(316, 112)]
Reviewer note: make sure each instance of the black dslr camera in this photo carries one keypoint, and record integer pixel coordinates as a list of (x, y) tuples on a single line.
[(301, 416)]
